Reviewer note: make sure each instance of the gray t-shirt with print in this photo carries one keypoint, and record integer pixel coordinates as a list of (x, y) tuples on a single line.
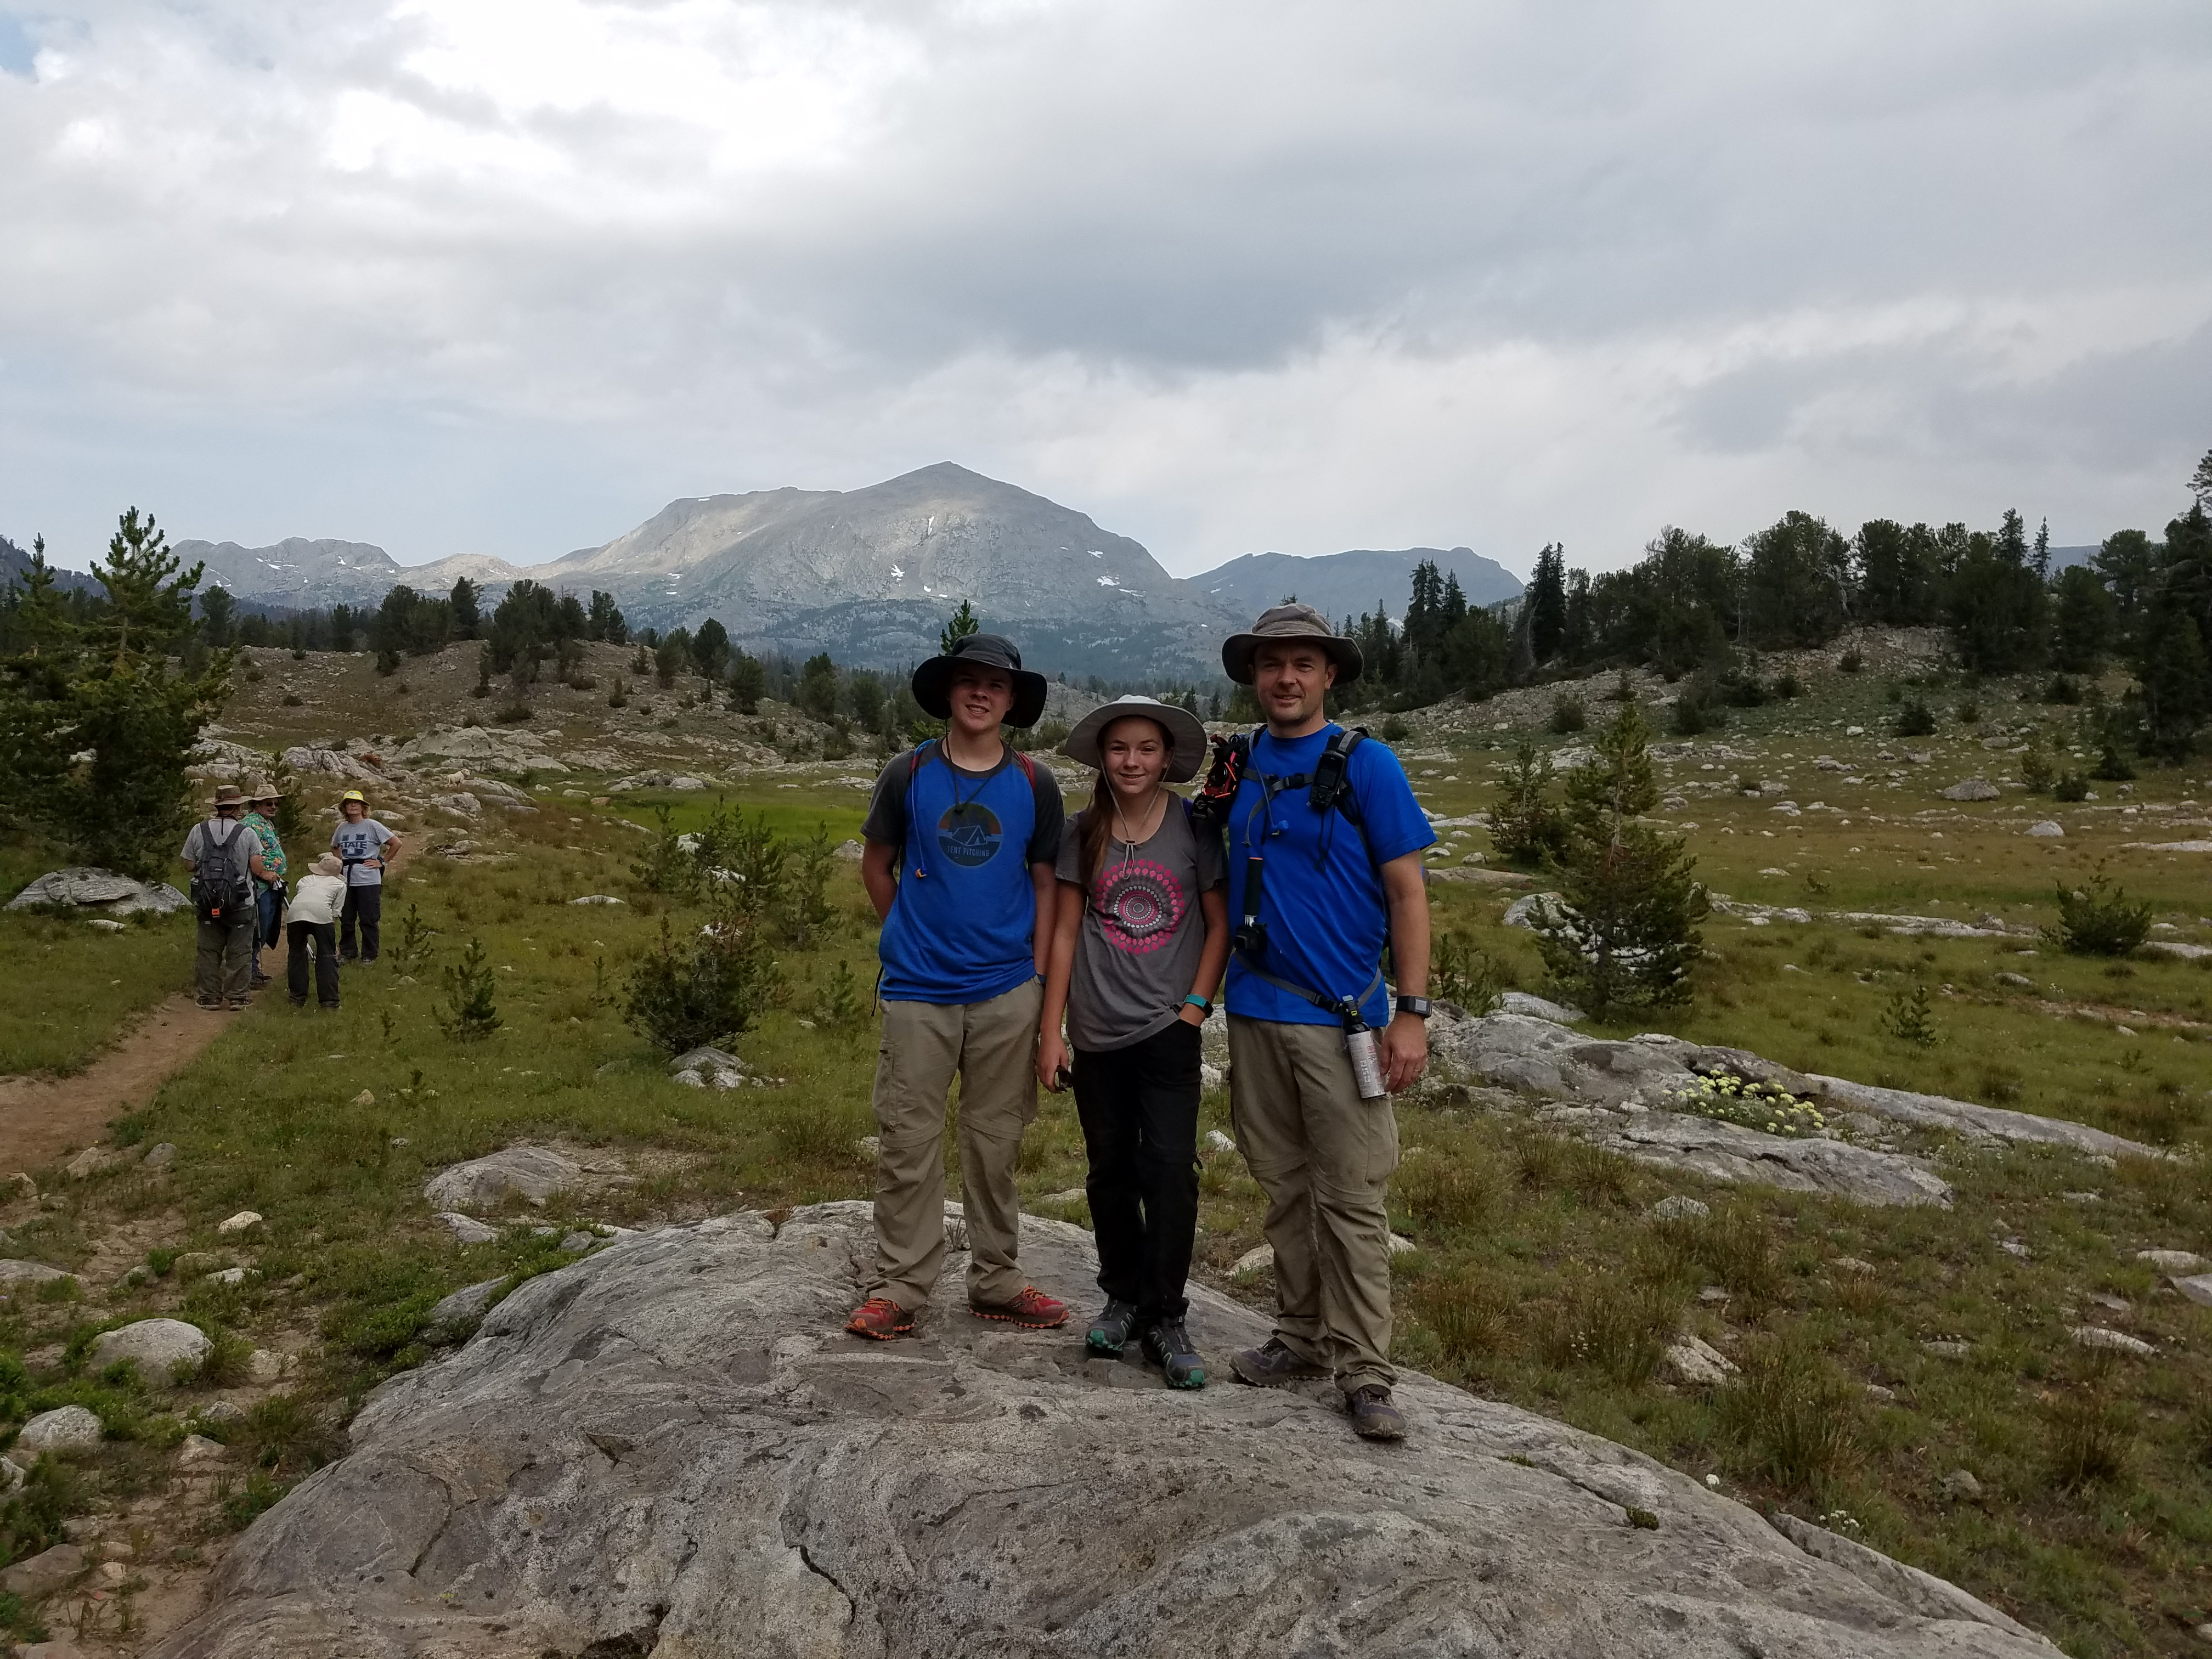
[(1143, 930)]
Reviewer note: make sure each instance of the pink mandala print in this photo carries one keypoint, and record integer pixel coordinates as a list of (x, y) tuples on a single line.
[(1138, 905)]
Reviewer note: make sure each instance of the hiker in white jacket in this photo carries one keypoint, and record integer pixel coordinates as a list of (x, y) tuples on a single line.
[(313, 914)]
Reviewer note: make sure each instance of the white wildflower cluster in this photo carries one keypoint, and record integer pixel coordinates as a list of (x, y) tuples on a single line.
[(1766, 1107)]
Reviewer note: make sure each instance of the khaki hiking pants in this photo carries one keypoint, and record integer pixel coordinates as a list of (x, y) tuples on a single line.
[(992, 1046), (1322, 1156)]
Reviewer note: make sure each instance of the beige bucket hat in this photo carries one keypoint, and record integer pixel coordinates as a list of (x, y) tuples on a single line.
[(1186, 736), (1287, 623)]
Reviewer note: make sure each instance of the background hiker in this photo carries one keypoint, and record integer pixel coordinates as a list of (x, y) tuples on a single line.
[(1324, 851), (312, 918), (961, 836), (224, 857), (1137, 950), (268, 895), (367, 847)]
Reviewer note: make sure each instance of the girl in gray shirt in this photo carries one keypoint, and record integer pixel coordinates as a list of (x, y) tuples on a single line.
[(1141, 937)]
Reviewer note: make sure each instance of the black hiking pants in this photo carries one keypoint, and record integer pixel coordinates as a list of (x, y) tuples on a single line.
[(326, 937), (1138, 1108), (363, 906)]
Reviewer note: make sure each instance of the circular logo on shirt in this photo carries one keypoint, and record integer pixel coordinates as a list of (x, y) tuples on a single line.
[(969, 834), (1138, 904)]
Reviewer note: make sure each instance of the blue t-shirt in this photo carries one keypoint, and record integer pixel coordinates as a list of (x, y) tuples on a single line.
[(963, 928), (1321, 897)]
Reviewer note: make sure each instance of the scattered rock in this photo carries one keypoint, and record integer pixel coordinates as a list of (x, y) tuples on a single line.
[(870, 1147), (1696, 1364), (194, 1264), (1876, 1391), (1680, 1207), (244, 1221), (1524, 912), (1400, 1244), (196, 1450), (1217, 1142), (851, 851), (576, 1242), (598, 898), (91, 1161), (163, 1349), (30, 1273), (1970, 789), (1948, 1348), (1259, 1259), (460, 804), (2047, 829), (222, 1413), (2096, 1336), (2175, 1261), (1961, 1486), (44, 1573), (466, 1229), (1520, 1002), (267, 1366), (92, 889), (161, 1158), (1851, 1264), (12, 1476), (453, 1319), (534, 1174), (64, 1429), (2197, 1287), (2018, 981), (225, 1276), (711, 1067), (691, 1485), (2015, 1247), (365, 1097), (1975, 1121)]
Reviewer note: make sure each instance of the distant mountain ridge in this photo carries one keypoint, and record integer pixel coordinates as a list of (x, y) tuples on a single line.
[(1352, 584), (870, 575)]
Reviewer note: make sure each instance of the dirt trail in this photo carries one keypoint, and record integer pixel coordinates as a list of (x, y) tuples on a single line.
[(42, 1118)]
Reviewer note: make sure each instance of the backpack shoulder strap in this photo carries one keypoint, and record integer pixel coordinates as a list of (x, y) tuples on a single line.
[(1028, 766)]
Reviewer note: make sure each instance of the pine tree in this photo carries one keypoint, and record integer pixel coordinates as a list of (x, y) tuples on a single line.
[(466, 601), (1625, 933), (961, 624), (2176, 690), (1526, 827), (1547, 603)]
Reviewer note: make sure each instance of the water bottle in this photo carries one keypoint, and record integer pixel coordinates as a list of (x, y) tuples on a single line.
[(1366, 1063)]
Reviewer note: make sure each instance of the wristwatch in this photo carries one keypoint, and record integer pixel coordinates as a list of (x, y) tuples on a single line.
[(1418, 1007), (1205, 1008)]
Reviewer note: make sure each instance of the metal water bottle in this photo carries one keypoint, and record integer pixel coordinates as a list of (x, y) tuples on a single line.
[(1367, 1063)]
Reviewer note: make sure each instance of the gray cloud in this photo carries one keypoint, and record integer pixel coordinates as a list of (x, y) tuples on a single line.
[(476, 276)]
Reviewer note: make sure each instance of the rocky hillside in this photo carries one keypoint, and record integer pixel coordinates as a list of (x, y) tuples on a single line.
[(297, 574), (1351, 584)]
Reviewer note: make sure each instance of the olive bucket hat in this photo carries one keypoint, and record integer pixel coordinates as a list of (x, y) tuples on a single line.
[(228, 794), (1289, 624), (933, 681), (1186, 736)]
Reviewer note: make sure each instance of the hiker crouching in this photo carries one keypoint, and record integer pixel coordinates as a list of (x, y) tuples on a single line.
[(962, 836), (1324, 852), (312, 918), (224, 858)]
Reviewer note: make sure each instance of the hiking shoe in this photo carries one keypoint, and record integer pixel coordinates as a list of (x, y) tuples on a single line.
[(1373, 1416), (881, 1318), (237, 1004), (1272, 1364), (214, 1004), (1032, 1310), (259, 983), (1168, 1346), (1110, 1332)]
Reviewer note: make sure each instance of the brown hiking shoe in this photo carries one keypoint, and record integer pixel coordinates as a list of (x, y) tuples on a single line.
[(1273, 1364), (1373, 1416), (881, 1318), (1032, 1310)]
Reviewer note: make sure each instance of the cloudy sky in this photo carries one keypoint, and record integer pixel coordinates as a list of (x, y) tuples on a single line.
[(505, 275)]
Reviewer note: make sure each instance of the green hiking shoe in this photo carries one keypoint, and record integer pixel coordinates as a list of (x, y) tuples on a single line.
[(1110, 1332), (1167, 1345)]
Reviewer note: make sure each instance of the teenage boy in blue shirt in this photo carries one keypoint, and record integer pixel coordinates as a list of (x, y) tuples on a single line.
[(1332, 893), (962, 837)]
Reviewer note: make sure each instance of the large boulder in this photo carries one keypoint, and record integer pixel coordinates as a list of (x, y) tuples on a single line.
[(64, 1429), (86, 888), (670, 1448), (533, 1174), (162, 1349)]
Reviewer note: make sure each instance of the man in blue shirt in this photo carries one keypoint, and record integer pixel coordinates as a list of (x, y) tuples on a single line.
[(1337, 870), (962, 836)]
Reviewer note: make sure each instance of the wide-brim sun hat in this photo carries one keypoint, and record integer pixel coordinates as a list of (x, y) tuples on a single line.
[(260, 788), (228, 794), (1186, 736), (933, 681), (329, 865), (1290, 624)]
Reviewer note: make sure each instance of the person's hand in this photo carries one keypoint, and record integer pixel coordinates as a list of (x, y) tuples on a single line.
[(1191, 1014), (1052, 1054), (1403, 1049)]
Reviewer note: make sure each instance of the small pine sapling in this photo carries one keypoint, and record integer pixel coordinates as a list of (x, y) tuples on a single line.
[(2097, 920), (412, 951), (838, 1006), (1525, 826), (1909, 1017), (470, 1014)]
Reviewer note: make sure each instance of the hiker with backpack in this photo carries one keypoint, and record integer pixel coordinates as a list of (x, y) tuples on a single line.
[(311, 920), (268, 895), (961, 838), (1138, 945), (1324, 842), (224, 857), (366, 847)]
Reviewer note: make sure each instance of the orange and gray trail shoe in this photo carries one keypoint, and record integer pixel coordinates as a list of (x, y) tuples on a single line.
[(881, 1318), (1032, 1309)]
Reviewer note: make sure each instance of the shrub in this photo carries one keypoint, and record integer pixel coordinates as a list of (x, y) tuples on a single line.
[(1568, 713), (803, 897), (1443, 1187), (711, 988), (470, 1014), (1624, 689), (2111, 765), (1611, 1324), (619, 698), (1764, 1106), (1461, 971), (666, 865), (1914, 720), (1968, 712), (1394, 730), (411, 950), (838, 1006), (1786, 686), (291, 700), (514, 714), (1852, 661), (1794, 1414), (1468, 1312), (1910, 1017), (2062, 688), (1525, 826), (2096, 919), (2035, 769), (2088, 1435), (2071, 786), (1694, 715)]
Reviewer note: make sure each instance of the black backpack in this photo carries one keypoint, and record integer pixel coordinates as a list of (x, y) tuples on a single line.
[(221, 894)]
